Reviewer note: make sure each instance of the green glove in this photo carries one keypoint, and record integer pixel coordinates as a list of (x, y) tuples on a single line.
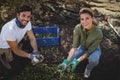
[(63, 65), (74, 64)]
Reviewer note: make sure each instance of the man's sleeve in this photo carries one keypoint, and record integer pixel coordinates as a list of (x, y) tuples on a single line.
[(9, 35), (29, 26)]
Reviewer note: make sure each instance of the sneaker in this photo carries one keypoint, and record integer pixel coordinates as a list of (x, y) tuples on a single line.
[(87, 73)]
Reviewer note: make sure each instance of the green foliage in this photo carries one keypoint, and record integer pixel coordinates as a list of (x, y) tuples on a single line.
[(45, 35), (46, 72)]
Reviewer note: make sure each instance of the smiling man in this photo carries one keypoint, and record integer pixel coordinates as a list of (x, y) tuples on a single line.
[(13, 32)]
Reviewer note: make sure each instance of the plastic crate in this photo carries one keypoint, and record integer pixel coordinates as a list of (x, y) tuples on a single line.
[(47, 40)]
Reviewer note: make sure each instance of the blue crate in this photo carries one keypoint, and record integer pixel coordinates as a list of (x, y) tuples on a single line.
[(47, 41)]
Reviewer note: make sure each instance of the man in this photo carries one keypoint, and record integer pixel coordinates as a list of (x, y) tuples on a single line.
[(13, 32)]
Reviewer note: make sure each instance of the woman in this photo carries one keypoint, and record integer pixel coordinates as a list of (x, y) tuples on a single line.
[(86, 41)]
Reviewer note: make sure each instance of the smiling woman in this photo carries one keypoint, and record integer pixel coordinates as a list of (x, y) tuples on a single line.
[(86, 18), (86, 41)]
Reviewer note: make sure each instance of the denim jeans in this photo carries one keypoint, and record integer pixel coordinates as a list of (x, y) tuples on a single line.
[(93, 58)]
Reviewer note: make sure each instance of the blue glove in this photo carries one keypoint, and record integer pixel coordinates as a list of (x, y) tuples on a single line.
[(74, 64), (36, 57), (62, 67)]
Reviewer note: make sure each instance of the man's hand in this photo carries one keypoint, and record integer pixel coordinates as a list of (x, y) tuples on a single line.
[(74, 64), (36, 57), (63, 65)]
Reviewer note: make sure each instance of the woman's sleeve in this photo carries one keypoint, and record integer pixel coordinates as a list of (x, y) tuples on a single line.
[(76, 37)]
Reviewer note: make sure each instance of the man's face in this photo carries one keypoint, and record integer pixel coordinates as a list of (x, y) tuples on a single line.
[(86, 21), (24, 17)]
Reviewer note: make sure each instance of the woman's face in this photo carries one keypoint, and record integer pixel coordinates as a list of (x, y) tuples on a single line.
[(86, 20), (24, 17)]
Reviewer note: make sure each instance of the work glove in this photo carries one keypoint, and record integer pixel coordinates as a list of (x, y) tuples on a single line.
[(63, 65), (36, 57), (72, 66)]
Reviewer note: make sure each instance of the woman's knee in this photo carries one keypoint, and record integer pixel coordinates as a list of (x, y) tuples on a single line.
[(93, 61)]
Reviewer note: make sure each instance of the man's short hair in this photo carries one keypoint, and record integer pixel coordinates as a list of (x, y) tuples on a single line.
[(24, 8)]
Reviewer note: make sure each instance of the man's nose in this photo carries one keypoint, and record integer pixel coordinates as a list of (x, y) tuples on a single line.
[(26, 18)]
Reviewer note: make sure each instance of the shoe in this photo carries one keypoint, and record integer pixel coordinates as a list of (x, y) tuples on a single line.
[(87, 73), (5, 63)]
